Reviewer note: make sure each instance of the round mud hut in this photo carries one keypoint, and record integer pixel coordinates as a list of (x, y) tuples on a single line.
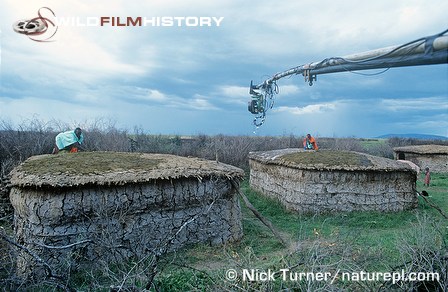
[(433, 156), (104, 207), (331, 181)]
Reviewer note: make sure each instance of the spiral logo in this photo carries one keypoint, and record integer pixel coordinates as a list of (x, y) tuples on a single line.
[(40, 28), (231, 275)]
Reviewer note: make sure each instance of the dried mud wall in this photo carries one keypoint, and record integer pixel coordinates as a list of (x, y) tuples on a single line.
[(435, 162), (316, 191), (104, 224)]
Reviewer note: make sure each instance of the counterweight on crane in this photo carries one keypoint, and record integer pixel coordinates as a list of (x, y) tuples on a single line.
[(423, 51)]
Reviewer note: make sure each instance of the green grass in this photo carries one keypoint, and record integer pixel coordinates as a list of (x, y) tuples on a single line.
[(372, 143), (371, 240), (437, 190)]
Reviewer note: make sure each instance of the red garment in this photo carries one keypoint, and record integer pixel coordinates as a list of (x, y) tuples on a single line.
[(427, 178), (312, 141)]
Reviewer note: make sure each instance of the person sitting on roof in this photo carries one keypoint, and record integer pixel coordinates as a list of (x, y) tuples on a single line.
[(309, 143), (69, 141)]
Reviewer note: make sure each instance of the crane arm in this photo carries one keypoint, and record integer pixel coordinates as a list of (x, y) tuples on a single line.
[(423, 51)]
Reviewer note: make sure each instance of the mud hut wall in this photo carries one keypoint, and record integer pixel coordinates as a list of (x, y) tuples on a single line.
[(315, 191), (435, 162), (125, 221)]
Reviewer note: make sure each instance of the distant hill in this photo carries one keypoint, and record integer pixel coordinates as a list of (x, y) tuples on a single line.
[(414, 136)]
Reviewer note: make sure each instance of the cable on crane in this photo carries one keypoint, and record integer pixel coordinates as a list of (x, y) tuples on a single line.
[(408, 54)]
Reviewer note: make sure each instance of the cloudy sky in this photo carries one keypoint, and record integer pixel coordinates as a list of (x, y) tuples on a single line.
[(195, 80)]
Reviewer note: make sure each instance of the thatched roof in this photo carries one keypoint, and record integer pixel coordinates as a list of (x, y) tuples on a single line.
[(328, 160), (424, 149), (114, 168)]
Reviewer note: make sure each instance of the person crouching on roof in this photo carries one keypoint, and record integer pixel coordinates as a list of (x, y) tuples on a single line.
[(69, 141), (309, 143)]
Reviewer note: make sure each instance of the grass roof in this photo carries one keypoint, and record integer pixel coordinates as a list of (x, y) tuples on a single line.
[(112, 168), (327, 160), (424, 149), (88, 163)]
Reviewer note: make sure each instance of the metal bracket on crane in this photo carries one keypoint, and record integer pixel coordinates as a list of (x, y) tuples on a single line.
[(309, 77)]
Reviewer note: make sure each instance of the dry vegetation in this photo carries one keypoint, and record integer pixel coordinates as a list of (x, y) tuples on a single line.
[(35, 137)]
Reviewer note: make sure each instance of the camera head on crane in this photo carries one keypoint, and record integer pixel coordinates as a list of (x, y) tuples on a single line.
[(261, 101), (255, 105)]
